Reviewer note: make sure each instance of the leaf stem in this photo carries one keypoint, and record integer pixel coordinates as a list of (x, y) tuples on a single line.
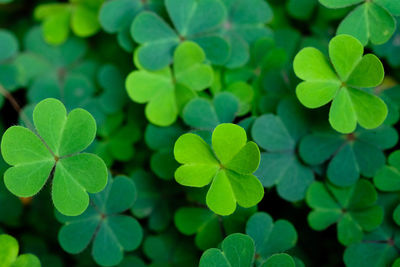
[(16, 106)]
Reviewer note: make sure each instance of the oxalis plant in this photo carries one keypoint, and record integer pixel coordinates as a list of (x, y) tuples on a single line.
[(211, 133)]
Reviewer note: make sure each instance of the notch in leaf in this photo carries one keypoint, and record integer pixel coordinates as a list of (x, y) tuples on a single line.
[(111, 232), (54, 152), (9, 254), (373, 20), (228, 166), (343, 85), (352, 208)]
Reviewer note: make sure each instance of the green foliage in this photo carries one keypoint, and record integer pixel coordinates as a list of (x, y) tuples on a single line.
[(9, 249), (270, 237), (278, 135), (350, 103), (112, 233), (53, 152), (352, 208), (229, 98), (229, 171), (58, 18), (370, 21), (166, 91), (237, 250), (348, 155)]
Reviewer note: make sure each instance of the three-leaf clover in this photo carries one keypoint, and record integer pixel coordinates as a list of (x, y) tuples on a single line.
[(237, 250), (9, 249), (388, 177), (192, 20), (58, 18), (344, 86), (371, 21), (166, 91), (349, 155), (280, 165), (228, 166), (270, 237), (112, 233), (378, 248), (54, 151), (352, 208)]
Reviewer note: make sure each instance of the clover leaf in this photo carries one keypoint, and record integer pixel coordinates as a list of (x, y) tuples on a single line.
[(192, 21), (54, 151), (301, 9), (348, 155), (350, 103), (166, 91), (352, 208), (390, 49), (270, 237), (116, 16), (237, 250), (9, 254), (203, 114), (58, 18), (112, 232), (388, 177), (279, 260), (8, 70), (378, 248), (280, 165), (229, 171), (162, 140), (208, 227), (370, 21), (244, 24), (151, 202)]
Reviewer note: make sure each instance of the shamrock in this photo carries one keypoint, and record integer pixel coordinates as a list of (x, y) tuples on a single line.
[(9, 254), (236, 250), (54, 152), (370, 21), (229, 170), (151, 201), (192, 21), (201, 113), (80, 15), (116, 16), (208, 227), (8, 70), (280, 165), (112, 233), (352, 208), (244, 24), (378, 248), (162, 140), (348, 155), (166, 91), (351, 104), (270, 237)]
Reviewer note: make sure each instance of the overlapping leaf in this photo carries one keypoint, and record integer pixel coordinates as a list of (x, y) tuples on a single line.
[(9, 249), (112, 233)]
